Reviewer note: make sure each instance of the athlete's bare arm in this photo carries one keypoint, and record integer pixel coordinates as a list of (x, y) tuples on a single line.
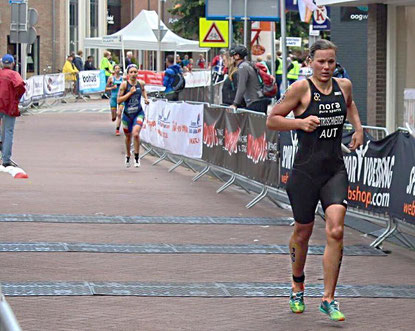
[(144, 92), (352, 113), (296, 99), (109, 86), (121, 97)]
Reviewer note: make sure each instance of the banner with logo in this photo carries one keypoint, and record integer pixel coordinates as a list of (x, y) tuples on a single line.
[(354, 14), (38, 83), (241, 143), (402, 203), (176, 127), (54, 85), (91, 81), (27, 96), (370, 170)]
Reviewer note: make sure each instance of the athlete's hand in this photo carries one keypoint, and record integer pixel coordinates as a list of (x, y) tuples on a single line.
[(146, 102), (357, 140), (133, 89), (310, 123)]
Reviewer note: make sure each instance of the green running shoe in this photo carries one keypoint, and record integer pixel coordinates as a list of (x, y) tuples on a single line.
[(332, 309), (297, 302)]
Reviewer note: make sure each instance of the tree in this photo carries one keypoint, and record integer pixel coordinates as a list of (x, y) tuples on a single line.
[(188, 12)]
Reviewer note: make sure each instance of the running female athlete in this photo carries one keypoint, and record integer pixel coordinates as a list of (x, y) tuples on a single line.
[(133, 116), (113, 85), (320, 104)]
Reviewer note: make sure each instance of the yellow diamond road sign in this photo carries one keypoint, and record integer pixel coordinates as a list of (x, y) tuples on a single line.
[(213, 33)]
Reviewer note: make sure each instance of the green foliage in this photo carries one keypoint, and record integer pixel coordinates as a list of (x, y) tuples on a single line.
[(188, 12), (295, 28)]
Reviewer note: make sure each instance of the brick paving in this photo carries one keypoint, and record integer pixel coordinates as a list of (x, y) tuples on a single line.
[(75, 167)]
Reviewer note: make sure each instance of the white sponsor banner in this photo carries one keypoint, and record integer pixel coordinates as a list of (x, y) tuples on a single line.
[(27, 96), (38, 87), (54, 85), (89, 79), (197, 78), (176, 127)]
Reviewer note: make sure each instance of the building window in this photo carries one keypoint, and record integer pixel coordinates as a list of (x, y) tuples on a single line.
[(73, 25)]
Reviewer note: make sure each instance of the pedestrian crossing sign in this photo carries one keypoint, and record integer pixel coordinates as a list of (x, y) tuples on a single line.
[(213, 33)]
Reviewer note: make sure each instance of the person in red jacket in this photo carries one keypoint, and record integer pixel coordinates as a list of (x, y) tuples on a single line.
[(12, 87)]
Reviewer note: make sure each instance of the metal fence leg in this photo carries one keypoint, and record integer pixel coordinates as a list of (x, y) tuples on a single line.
[(177, 164), (161, 158), (8, 321), (227, 184), (148, 151), (189, 166), (391, 228), (258, 198), (204, 171)]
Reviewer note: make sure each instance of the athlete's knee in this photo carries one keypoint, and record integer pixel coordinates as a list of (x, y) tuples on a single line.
[(335, 232), (302, 232)]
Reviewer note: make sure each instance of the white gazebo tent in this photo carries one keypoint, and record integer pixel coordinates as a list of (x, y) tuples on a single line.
[(139, 35)]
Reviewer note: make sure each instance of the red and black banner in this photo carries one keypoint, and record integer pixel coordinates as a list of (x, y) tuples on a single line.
[(241, 143), (381, 173)]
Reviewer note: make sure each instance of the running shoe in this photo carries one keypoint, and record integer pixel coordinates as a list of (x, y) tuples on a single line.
[(127, 162), (332, 310), (137, 163), (117, 132), (297, 302)]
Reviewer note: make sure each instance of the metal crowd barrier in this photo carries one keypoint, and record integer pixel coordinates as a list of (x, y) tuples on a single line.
[(393, 227), (8, 321)]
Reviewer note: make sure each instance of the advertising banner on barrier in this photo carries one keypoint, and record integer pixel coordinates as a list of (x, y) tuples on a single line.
[(381, 173), (197, 78), (241, 143), (176, 127), (370, 170), (403, 184), (54, 85), (91, 81), (27, 96), (38, 88)]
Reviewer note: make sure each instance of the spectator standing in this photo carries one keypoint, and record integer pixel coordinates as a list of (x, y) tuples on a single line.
[(201, 62), (107, 66), (248, 89), (218, 66), (169, 77), (293, 70), (89, 63), (185, 61), (268, 62), (129, 59), (70, 72), (230, 84), (278, 72), (12, 87), (78, 62)]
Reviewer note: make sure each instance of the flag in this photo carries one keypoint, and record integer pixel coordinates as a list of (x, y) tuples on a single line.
[(306, 8)]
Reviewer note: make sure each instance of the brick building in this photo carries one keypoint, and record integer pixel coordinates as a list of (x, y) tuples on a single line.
[(390, 52), (63, 24)]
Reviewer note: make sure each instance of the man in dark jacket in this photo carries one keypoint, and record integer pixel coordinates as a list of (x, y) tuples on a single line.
[(249, 89), (169, 77), (12, 87), (78, 62), (89, 63)]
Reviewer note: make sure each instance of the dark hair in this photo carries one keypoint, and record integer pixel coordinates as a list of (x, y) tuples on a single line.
[(170, 59), (321, 44)]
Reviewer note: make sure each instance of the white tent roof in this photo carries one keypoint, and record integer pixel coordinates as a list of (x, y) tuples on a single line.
[(139, 35)]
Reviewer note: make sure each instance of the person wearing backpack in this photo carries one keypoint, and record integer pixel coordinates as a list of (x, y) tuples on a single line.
[(249, 87), (173, 79)]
